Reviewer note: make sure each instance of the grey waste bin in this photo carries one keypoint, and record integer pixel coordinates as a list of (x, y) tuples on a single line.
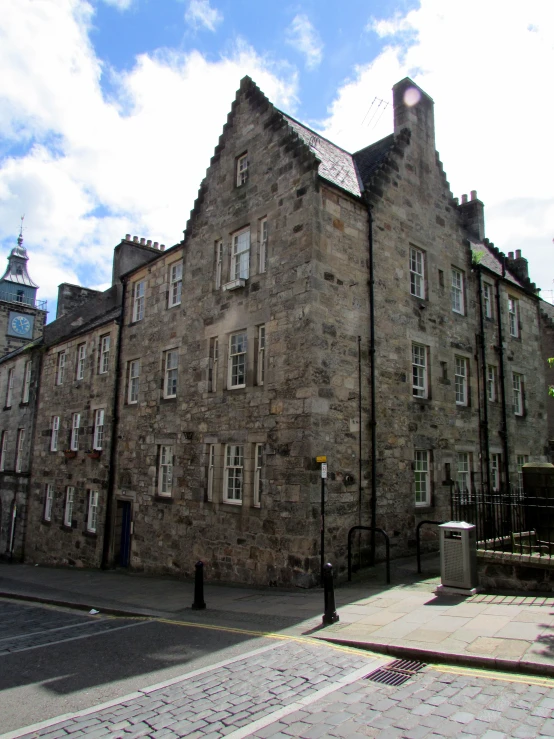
[(458, 547)]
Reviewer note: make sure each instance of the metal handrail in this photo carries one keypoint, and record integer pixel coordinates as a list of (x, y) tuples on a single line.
[(23, 300), (387, 547)]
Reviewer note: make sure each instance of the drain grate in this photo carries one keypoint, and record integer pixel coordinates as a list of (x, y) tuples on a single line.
[(396, 673)]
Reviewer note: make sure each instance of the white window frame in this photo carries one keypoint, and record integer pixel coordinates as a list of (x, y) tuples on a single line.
[(104, 363), (75, 426), (211, 472), (237, 359), (92, 511), (513, 316), (213, 364), (457, 291), (521, 459), (138, 300), (3, 450), (491, 383), (26, 382), (463, 475), (496, 472), (487, 299), (260, 360), (48, 502), (175, 284), (234, 474), (68, 507), (19, 449), (60, 368), (81, 358), (133, 381), (98, 429), (417, 272), (165, 470), (240, 254), (171, 372), (242, 169), (262, 257), (517, 390), (420, 371), (461, 376), (258, 470), (218, 263), (9, 388), (55, 433), (422, 477)]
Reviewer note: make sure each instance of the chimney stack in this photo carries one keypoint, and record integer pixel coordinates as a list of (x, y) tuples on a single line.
[(473, 215), (518, 265), (413, 109)]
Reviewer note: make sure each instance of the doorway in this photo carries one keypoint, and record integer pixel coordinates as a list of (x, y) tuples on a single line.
[(122, 533)]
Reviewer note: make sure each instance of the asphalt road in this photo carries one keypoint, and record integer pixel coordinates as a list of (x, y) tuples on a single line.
[(55, 661)]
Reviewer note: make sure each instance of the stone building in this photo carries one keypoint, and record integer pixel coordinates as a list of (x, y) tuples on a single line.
[(547, 331), (320, 303)]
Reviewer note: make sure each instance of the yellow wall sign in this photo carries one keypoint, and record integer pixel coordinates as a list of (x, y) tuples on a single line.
[(321, 459)]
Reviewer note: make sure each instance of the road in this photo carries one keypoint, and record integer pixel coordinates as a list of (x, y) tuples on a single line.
[(169, 680)]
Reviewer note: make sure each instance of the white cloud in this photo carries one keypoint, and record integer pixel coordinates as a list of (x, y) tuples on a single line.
[(98, 169), (119, 4), (492, 112), (304, 38), (201, 14)]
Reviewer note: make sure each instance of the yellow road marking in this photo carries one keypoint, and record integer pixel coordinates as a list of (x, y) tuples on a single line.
[(507, 677)]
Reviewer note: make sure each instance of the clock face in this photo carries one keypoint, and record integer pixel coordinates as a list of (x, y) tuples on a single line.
[(21, 325)]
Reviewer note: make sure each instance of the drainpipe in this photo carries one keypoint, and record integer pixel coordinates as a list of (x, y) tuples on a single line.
[(485, 422), (360, 431), (372, 422), (504, 430), (106, 545)]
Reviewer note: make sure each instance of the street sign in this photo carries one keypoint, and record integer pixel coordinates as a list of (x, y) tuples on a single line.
[(321, 459), (324, 471)]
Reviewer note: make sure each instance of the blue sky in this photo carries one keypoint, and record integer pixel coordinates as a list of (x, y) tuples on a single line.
[(112, 108)]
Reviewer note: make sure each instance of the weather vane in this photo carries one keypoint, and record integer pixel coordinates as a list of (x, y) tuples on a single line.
[(20, 237)]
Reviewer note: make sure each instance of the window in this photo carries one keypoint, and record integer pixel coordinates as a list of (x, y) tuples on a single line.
[(48, 502), (60, 368), (218, 263), (457, 291), (75, 423), (262, 261), (104, 362), (422, 478), (68, 509), (517, 387), (234, 462), (165, 470), (513, 317), (9, 388), (237, 360), (55, 433), (464, 476), (419, 371), (171, 362), (19, 450), (138, 301), (3, 450), (98, 429), (496, 468), (240, 260), (242, 169), (258, 460), (417, 272), (133, 381), (175, 284), (92, 513), (213, 364), (81, 356), (26, 383), (460, 381), (491, 383), (211, 472), (487, 300), (260, 360)]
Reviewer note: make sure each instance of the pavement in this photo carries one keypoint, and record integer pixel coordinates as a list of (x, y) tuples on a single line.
[(507, 632)]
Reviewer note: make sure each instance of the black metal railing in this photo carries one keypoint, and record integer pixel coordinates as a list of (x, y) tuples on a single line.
[(507, 520), (23, 300)]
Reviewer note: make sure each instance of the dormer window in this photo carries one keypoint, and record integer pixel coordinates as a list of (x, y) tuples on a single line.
[(242, 169)]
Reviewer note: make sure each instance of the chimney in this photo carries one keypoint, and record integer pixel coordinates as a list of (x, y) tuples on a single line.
[(127, 237), (143, 241), (162, 247), (413, 109), (473, 215), (519, 266)]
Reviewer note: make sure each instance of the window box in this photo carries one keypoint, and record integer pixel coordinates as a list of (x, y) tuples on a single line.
[(69, 453), (234, 284), (94, 453)]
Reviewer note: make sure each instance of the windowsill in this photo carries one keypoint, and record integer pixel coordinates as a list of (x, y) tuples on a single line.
[(90, 534), (133, 323), (233, 503), (424, 508), (458, 313), (421, 401), (65, 527), (6, 408), (134, 404), (163, 498), (24, 403), (236, 387), (171, 399), (177, 305), (44, 522), (462, 405), (104, 373)]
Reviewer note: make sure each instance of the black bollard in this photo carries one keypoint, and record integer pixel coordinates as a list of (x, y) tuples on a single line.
[(199, 602), (330, 616)]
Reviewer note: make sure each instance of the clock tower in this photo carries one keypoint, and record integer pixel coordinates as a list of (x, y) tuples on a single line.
[(22, 316)]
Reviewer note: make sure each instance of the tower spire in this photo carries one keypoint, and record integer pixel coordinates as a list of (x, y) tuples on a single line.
[(20, 237)]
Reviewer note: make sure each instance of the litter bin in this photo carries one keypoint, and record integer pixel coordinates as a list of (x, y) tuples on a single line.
[(458, 547)]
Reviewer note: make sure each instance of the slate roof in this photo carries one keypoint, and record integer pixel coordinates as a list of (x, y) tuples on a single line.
[(493, 263), (347, 171)]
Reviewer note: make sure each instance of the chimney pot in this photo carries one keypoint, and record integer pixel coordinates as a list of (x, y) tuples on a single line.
[(143, 241), (456, 201), (510, 255), (135, 239), (464, 198), (156, 245), (162, 247), (149, 242), (473, 195), (518, 253), (127, 237)]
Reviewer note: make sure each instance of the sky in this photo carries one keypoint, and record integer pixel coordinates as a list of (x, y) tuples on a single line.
[(111, 109)]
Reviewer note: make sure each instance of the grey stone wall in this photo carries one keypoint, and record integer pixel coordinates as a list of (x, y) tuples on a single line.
[(12, 343), (71, 297)]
